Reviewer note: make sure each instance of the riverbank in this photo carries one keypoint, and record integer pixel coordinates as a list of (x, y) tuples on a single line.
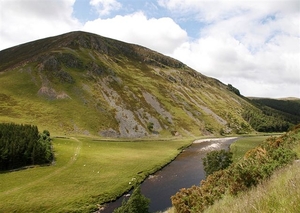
[(214, 144), (250, 170), (184, 171)]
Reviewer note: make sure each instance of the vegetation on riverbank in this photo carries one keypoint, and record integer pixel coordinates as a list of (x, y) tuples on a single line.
[(280, 193), (137, 203), (216, 160), (244, 144), (87, 172), (257, 165)]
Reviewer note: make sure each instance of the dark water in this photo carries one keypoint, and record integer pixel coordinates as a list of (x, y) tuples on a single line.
[(185, 171)]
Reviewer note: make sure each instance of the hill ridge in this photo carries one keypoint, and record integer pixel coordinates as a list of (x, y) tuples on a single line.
[(78, 39), (82, 83)]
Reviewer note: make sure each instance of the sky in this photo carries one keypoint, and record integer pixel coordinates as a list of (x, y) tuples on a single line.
[(252, 45)]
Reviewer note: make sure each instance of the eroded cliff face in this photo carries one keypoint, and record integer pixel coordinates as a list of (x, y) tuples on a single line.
[(96, 85)]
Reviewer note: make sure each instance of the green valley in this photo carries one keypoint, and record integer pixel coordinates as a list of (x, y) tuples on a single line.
[(117, 112)]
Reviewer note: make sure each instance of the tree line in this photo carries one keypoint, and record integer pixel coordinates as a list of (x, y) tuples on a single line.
[(272, 115), (291, 107), (23, 145), (266, 121)]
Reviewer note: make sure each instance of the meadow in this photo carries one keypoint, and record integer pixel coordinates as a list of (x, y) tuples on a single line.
[(86, 172), (242, 145)]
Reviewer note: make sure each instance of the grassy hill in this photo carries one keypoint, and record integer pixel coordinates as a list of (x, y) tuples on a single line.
[(82, 83), (87, 84), (289, 107)]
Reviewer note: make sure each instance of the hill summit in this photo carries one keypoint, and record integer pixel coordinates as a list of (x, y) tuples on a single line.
[(82, 83)]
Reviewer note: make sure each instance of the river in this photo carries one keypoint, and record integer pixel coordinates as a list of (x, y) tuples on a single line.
[(185, 171)]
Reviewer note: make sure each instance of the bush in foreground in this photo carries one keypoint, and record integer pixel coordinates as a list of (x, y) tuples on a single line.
[(280, 193), (257, 165)]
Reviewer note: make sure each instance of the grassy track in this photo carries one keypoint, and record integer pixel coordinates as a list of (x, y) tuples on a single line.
[(86, 173)]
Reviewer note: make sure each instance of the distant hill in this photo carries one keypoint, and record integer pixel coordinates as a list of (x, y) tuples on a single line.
[(289, 107), (82, 83)]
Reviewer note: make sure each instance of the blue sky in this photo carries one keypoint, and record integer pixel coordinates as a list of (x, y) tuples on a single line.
[(253, 45), (84, 12)]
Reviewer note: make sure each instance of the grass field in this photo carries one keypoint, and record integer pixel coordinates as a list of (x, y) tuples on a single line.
[(86, 172), (242, 145)]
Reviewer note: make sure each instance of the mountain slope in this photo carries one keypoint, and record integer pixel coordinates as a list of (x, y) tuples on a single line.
[(290, 106), (82, 83)]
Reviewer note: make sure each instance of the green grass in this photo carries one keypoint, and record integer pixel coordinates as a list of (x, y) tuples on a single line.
[(87, 172), (242, 145)]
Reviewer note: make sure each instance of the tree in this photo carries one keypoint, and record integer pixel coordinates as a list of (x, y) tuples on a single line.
[(216, 160), (23, 145), (150, 126), (137, 203), (47, 133), (233, 89)]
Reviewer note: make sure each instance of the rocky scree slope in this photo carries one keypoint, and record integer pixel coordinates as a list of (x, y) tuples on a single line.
[(82, 83)]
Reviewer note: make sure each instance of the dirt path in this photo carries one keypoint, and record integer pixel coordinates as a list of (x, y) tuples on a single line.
[(55, 172)]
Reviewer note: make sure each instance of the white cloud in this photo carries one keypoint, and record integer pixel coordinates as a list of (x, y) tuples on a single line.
[(25, 20), (256, 43), (104, 7), (162, 34), (216, 10)]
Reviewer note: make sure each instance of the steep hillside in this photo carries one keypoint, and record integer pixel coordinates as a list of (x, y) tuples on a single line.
[(285, 113), (82, 83), (290, 106)]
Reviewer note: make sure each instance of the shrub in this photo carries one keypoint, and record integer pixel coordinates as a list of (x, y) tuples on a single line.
[(217, 160), (137, 203), (150, 126)]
